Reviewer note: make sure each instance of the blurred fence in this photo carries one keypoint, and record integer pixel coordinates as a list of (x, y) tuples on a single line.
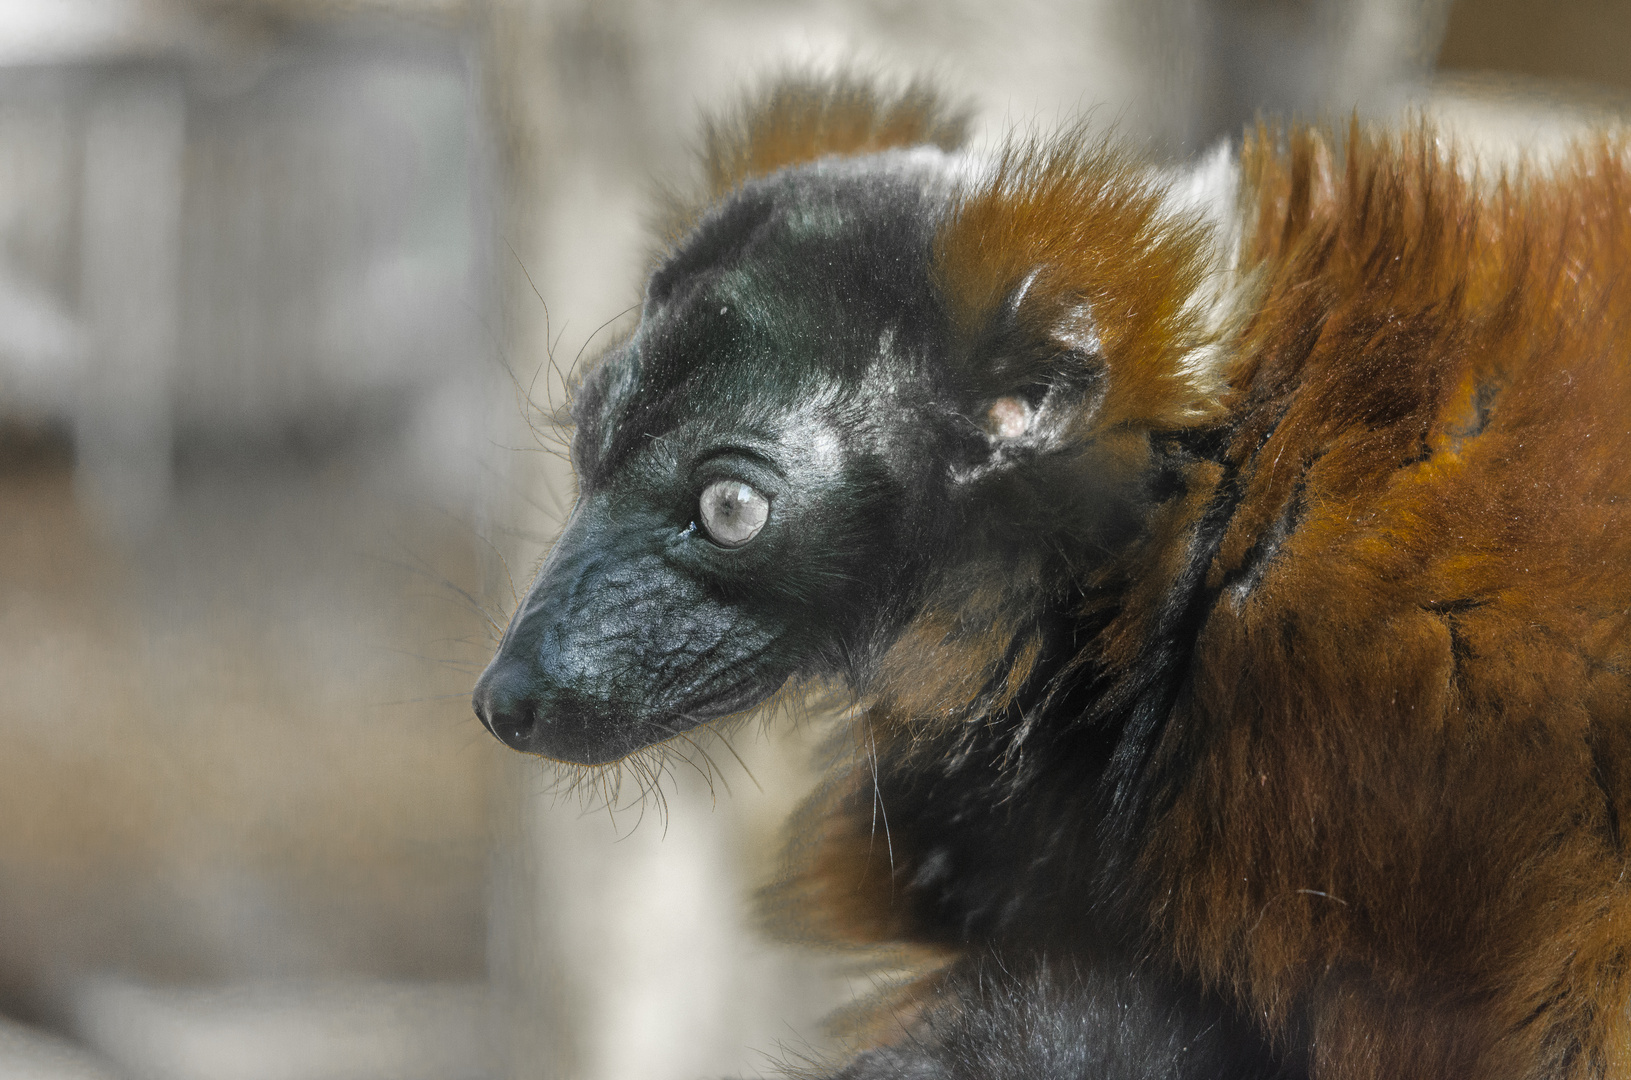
[(249, 371), (281, 241)]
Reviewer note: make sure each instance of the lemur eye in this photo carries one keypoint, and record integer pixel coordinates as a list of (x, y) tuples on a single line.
[(733, 512)]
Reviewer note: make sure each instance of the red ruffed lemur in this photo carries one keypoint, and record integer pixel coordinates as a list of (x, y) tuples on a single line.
[(1230, 567)]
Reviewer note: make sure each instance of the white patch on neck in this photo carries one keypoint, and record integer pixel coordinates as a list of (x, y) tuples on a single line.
[(1207, 191), (1208, 188)]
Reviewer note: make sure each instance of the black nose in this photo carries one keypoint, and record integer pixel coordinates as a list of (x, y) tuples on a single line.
[(519, 704), (506, 700)]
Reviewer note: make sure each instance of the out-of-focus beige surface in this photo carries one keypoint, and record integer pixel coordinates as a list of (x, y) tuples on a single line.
[(232, 752)]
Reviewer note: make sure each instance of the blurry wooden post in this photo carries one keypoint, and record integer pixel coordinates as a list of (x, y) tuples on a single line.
[(130, 262)]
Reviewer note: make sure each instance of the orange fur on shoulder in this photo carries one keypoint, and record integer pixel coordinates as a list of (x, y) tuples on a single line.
[(1415, 708)]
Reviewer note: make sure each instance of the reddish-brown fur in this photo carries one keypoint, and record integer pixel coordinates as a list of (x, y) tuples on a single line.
[(1408, 807), (1396, 836)]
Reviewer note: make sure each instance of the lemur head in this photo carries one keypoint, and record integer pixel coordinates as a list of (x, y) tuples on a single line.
[(873, 397)]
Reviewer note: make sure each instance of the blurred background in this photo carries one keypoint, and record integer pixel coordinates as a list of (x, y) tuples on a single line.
[(285, 289)]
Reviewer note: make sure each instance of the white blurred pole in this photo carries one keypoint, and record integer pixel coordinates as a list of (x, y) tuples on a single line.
[(130, 261)]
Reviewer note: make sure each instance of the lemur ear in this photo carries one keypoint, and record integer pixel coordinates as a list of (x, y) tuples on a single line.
[(802, 118), (1031, 376)]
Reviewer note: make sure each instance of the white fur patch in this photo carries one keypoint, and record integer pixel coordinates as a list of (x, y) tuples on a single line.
[(1207, 192)]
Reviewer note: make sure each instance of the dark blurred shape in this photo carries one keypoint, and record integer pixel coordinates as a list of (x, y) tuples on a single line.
[(1583, 40), (29, 1054), (1308, 59), (31, 447)]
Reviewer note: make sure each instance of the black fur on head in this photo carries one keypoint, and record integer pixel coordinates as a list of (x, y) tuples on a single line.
[(793, 343), (790, 344), (798, 369)]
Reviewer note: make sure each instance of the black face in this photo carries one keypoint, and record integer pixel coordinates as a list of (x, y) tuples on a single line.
[(759, 466)]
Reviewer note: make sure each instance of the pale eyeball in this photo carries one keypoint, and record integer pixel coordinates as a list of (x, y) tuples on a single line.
[(733, 512)]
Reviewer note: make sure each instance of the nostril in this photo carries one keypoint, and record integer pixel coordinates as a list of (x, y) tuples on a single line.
[(515, 725), (526, 710), (506, 705)]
